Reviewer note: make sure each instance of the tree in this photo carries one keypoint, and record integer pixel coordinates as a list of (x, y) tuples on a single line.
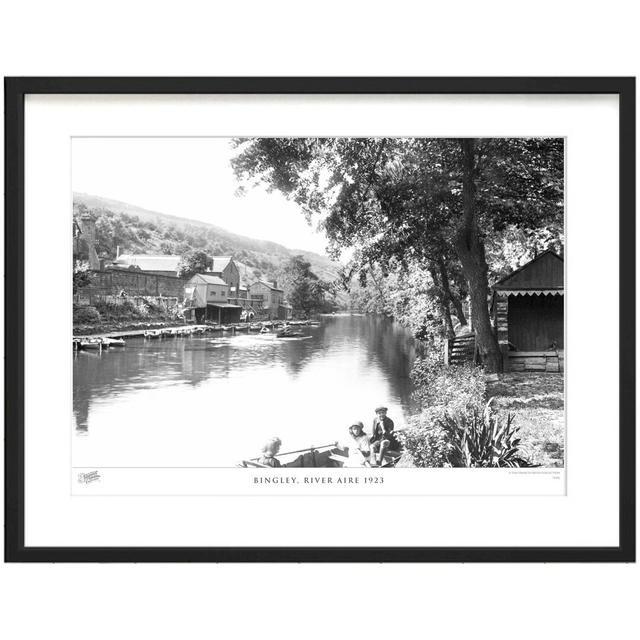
[(303, 289), (193, 262), (81, 278), (431, 200)]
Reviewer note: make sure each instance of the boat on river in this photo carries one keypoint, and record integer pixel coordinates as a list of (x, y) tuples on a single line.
[(327, 456), (153, 333), (113, 342), (91, 343)]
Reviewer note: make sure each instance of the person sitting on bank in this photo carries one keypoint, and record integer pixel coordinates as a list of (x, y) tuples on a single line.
[(269, 453), (361, 453), (384, 438)]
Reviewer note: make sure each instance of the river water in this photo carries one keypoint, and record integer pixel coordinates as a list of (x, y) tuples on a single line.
[(209, 401)]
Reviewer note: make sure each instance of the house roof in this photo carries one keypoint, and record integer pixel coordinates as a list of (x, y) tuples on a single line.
[(203, 277), (544, 272), (268, 285), (223, 305), (148, 262), (219, 263)]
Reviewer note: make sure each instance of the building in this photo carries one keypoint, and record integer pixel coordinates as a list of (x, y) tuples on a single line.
[(157, 264), (225, 268), (271, 299), (206, 299), (528, 315)]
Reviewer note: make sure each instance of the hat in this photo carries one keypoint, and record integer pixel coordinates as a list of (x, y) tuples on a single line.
[(357, 423), (381, 409)]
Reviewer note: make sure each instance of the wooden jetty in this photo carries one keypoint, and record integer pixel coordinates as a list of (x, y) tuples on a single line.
[(182, 330)]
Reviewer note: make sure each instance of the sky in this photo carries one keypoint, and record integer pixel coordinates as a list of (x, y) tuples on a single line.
[(191, 178)]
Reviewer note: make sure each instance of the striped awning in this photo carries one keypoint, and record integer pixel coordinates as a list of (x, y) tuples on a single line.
[(530, 292)]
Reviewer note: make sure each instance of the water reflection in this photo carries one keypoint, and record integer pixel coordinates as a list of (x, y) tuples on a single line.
[(209, 400)]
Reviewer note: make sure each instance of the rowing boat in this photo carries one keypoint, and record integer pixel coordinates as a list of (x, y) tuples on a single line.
[(91, 343), (113, 342), (289, 334), (327, 456)]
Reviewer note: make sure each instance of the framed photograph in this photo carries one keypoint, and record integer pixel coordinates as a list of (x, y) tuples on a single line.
[(320, 319)]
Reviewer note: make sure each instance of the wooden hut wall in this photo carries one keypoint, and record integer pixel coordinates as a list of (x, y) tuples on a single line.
[(536, 322)]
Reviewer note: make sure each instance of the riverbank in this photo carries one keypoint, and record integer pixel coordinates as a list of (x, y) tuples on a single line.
[(537, 402), (122, 327)]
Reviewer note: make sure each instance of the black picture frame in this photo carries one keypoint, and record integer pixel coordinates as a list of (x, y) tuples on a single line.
[(15, 91)]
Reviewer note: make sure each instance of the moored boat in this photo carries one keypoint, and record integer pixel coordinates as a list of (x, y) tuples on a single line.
[(113, 342), (91, 343)]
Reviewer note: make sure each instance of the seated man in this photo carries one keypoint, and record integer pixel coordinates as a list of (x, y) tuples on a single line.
[(383, 439)]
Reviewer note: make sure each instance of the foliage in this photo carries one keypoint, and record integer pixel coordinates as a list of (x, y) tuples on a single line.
[(455, 427), (85, 314), (458, 389), (425, 442), (482, 439), (303, 289), (435, 201), (81, 277), (475, 438), (193, 262)]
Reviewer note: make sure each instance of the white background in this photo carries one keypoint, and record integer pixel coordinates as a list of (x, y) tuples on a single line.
[(499, 38)]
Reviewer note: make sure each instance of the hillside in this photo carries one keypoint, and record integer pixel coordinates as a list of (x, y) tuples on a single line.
[(137, 230)]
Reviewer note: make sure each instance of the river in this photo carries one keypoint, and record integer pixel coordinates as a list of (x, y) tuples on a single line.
[(209, 401)]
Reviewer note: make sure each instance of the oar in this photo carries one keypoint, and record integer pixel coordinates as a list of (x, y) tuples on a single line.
[(288, 453)]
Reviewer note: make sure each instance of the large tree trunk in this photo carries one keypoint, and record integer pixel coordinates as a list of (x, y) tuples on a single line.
[(470, 250), (443, 303), (450, 296), (459, 311)]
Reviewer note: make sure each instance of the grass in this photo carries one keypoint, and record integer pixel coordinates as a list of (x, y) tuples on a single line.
[(537, 402)]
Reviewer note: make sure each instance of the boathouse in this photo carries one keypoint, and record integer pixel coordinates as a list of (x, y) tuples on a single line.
[(528, 315), (271, 297), (206, 300)]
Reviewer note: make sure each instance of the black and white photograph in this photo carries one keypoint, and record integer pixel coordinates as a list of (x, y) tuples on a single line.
[(272, 303)]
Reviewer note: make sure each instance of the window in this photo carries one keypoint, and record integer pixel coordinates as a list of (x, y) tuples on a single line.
[(213, 293)]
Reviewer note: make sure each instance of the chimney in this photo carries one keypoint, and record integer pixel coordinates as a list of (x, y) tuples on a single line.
[(275, 284), (88, 229)]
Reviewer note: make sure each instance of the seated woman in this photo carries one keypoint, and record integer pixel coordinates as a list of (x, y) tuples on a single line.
[(359, 454), (269, 453)]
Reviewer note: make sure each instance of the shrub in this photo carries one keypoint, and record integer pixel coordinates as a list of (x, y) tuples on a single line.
[(482, 439), (85, 314), (455, 389), (424, 441), (478, 438), (81, 278)]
